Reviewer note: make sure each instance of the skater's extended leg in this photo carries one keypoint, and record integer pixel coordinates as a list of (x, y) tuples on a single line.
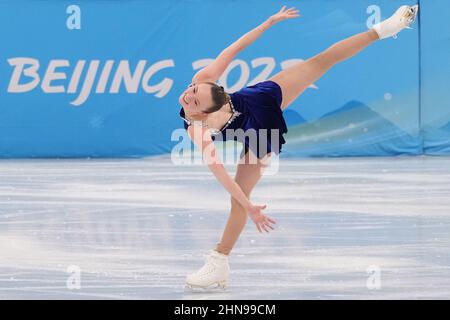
[(295, 79)]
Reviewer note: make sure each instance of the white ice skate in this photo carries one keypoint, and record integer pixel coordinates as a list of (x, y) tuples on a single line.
[(401, 19), (214, 272)]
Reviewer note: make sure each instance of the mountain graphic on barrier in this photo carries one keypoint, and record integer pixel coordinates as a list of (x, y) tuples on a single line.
[(437, 139), (446, 127), (293, 117), (353, 129)]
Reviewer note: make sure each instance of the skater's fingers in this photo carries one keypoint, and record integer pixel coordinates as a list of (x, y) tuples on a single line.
[(271, 220), (267, 223), (259, 228), (269, 226), (282, 9), (264, 227)]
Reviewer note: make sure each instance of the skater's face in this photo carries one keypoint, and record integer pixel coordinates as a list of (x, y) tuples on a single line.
[(196, 98)]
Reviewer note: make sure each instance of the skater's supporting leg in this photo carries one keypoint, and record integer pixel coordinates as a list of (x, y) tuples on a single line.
[(247, 175)]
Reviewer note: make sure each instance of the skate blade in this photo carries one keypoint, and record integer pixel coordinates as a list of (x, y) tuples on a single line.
[(213, 287)]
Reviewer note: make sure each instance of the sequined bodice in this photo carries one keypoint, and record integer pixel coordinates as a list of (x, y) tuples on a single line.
[(231, 120)]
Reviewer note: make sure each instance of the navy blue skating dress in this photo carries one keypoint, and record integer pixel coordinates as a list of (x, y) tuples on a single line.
[(255, 107)]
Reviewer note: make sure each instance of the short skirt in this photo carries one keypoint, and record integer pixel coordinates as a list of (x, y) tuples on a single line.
[(261, 103)]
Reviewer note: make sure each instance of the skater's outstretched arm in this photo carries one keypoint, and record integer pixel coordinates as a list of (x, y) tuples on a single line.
[(202, 138), (214, 70)]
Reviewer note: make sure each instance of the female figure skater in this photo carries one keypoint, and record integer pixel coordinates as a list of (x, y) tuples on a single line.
[(206, 108)]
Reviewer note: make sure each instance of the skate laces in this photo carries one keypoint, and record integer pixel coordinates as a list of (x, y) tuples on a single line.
[(410, 15), (211, 263)]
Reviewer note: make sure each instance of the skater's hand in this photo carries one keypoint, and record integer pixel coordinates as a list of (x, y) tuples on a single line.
[(261, 220), (284, 14)]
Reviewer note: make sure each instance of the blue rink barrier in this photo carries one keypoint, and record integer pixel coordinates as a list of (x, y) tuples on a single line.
[(102, 78)]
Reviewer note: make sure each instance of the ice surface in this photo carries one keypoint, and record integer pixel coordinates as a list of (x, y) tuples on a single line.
[(135, 228)]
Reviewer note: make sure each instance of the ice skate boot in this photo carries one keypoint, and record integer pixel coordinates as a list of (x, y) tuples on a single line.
[(213, 274), (401, 19)]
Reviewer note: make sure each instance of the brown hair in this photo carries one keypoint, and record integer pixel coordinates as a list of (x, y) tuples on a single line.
[(219, 97)]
